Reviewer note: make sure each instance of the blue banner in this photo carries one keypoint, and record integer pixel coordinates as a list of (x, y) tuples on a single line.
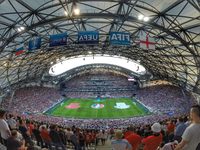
[(34, 44), (119, 38), (58, 40), (170, 113), (88, 37)]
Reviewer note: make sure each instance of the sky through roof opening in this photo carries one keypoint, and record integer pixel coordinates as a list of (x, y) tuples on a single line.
[(65, 65)]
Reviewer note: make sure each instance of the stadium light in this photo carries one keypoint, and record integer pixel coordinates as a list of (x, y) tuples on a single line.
[(66, 13), (76, 11), (143, 18), (146, 19), (191, 46), (22, 28), (140, 17), (19, 29)]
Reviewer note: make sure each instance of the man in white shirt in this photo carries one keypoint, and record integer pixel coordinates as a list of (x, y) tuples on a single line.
[(191, 136), (4, 129), (12, 122)]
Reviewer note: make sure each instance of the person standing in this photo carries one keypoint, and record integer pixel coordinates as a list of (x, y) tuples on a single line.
[(14, 143), (4, 128), (179, 130), (191, 135), (119, 143), (12, 122), (55, 138), (152, 142), (103, 137), (133, 138)]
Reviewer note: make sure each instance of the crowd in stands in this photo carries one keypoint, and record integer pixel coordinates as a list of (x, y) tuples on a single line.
[(166, 102), (31, 102), (32, 99), (113, 94), (106, 84), (169, 134), (165, 98)]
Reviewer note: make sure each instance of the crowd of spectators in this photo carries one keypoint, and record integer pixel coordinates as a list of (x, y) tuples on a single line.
[(169, 106), (32, 99), (163, 100), (108, 85), (180, 133)]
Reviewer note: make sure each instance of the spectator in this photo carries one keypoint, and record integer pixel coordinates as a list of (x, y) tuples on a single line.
[(45, 136), (119, 143), (81, 141), (191, 136), (4, 128), (180, 129), (13, 143), (24, 131), (153, 142), (103, 137), (56, 140), (12, 122), (170, 130), (75, 140), (30, 127), (68, 134), (133, 138), (128, 132), (35, 131)]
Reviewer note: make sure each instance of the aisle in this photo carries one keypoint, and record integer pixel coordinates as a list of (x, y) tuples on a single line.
[(107, 146)]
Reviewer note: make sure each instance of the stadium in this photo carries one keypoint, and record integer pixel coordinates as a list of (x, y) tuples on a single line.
[(99, 75)]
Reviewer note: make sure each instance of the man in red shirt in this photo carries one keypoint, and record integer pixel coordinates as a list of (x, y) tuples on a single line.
[(153, 142), (170, 130), (133, 138), (129, 131), (170, 127)]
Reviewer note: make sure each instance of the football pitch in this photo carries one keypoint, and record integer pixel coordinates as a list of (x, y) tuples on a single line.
[(98, 108)]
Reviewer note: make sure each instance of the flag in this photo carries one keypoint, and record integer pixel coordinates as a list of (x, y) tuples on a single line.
[(20, 49), (58, 39), (146, 42), (34, 44)]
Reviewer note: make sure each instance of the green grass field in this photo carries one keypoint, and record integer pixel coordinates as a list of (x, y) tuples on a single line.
[(86, 111)]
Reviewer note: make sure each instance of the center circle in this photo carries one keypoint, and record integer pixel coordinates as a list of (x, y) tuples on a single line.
[(97, 106)]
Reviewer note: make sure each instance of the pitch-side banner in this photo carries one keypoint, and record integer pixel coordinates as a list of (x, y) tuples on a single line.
[(88, 37), (58, 40), (119, 38)]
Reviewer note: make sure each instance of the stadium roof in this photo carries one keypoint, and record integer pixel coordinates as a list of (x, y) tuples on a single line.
[(175, 24)]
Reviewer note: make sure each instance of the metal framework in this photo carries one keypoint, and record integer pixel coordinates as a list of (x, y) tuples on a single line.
[(174, 23)]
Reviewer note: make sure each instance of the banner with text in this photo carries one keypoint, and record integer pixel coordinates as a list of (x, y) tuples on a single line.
[(88, 37), (34, 44), (119, 38), (58, 40)]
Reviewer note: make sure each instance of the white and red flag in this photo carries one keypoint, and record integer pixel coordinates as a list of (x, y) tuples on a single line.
[(146, 42)]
